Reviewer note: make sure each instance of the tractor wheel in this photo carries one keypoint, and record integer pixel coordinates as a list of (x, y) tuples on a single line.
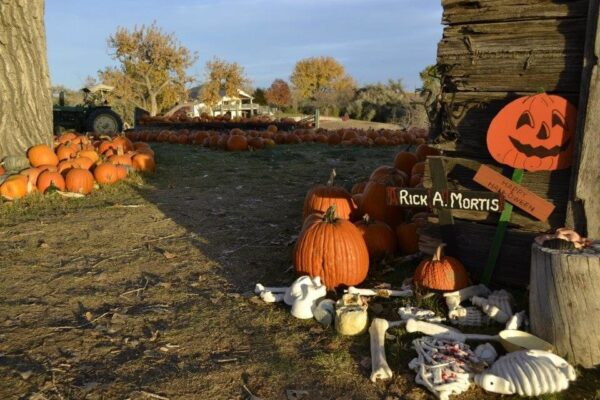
[(105, 121)]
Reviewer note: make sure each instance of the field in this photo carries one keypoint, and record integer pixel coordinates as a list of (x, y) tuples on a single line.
[(144, 290)]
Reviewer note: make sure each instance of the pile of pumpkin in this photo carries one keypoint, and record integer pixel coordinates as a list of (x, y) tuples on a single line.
[(240, 140), (343, 230), (223, 120), (76, 164)]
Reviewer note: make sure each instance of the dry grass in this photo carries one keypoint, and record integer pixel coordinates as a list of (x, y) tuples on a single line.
[(147, 287)]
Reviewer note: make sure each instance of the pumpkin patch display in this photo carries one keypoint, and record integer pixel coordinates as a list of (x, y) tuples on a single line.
[(333, 249), (534, 133), (321, 197), (441, 272), (76, 164)]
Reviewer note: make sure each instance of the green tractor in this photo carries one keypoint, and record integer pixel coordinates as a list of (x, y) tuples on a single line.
[(94, 115)]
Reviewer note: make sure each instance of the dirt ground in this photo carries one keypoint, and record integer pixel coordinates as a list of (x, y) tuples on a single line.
[(144, 290)]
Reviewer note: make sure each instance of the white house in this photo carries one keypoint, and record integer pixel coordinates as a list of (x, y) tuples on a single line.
[(237, 106)]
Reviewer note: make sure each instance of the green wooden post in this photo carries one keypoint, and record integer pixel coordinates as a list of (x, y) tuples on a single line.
[(317, 118), (488, 270)]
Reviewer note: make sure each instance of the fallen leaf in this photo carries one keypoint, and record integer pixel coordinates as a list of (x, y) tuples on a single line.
[(168, 255)]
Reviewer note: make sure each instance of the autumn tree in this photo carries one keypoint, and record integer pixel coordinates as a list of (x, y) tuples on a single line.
[(153, 68), (25, 95), (222, 77), (279, 94), (323, 82)]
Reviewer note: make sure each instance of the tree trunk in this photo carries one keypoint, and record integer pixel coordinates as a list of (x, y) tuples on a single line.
[(564, 304), (25, 96), (153, 105)]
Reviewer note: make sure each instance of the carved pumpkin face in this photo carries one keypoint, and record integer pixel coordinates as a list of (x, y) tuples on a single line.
[(534, 133)]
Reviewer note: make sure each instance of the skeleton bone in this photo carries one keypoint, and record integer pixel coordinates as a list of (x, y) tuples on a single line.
[(324, 312), (501, 299), (443, 332), (303, 304), (259, 288), (453, 299), (295, 289), (422, 314), (491, 310), (516, 321), (379, 366), (270, 297), (380, 292), (467, 316), (486, 352), (351, 317)]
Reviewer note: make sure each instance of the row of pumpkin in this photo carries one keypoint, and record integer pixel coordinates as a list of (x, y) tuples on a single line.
[(240, 140), (343, 231), (76, 163)]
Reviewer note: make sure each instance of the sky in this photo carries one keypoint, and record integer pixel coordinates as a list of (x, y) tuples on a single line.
[(375, 40)]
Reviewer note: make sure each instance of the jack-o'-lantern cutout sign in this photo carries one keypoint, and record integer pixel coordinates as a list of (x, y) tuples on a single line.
[(534, 133)]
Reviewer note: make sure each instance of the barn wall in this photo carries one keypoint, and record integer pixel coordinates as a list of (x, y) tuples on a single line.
[(491, 52)]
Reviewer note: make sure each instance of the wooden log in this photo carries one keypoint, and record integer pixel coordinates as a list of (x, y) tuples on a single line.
[(473, 243), (462, 11), (564, 305), (585, 190), (552, 186), (524, 56)]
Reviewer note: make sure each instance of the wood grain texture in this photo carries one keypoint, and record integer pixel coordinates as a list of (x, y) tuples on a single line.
[(552, 186), (25, 102), (564, 306), (585, 186), (461, 11)]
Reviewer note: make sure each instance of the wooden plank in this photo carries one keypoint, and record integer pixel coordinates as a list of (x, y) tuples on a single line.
[(466, 116), (510, 37), (552, 186), (462, 11), (474, 242), (524, 71), (585, 189), (524, 56)]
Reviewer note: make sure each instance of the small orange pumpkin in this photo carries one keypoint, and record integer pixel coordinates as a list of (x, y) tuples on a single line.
[(42, 155), (404, 161), (143, 162), (48, 179), (15, 187), (319, 198), (441, 272), (106, 174), (237, 143), (79, 180)]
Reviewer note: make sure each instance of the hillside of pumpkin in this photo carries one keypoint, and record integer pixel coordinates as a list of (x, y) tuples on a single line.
[(146, 287)]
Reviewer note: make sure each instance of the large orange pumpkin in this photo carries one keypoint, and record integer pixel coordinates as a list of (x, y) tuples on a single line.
[(404, 161), (79, 180), (408, 238), (441, 272), (106, 173), (379, 237), (319, 198), (48, 179), (534, 133), (333, 249), (386, 171), (32, 174), (42, 155), (374, 202), (15, 187), (237, 143)]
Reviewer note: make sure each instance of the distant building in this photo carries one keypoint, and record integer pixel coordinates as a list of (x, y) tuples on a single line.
[(241, 105)]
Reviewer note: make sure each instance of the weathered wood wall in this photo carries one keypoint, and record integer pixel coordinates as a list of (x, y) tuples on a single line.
[(491, 52)]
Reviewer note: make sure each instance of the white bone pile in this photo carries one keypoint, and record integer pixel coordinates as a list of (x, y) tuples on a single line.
[(443, 366), (527, 373)]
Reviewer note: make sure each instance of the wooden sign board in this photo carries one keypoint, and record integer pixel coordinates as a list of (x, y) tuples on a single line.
[(449, 199), (514, 193)]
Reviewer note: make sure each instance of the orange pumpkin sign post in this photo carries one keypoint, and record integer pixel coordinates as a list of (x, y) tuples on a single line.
[(533, 133)]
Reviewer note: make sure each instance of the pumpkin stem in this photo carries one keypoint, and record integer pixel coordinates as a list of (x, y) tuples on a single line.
[(439, 252), (330, 215), (331, 178), (367, 219)]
